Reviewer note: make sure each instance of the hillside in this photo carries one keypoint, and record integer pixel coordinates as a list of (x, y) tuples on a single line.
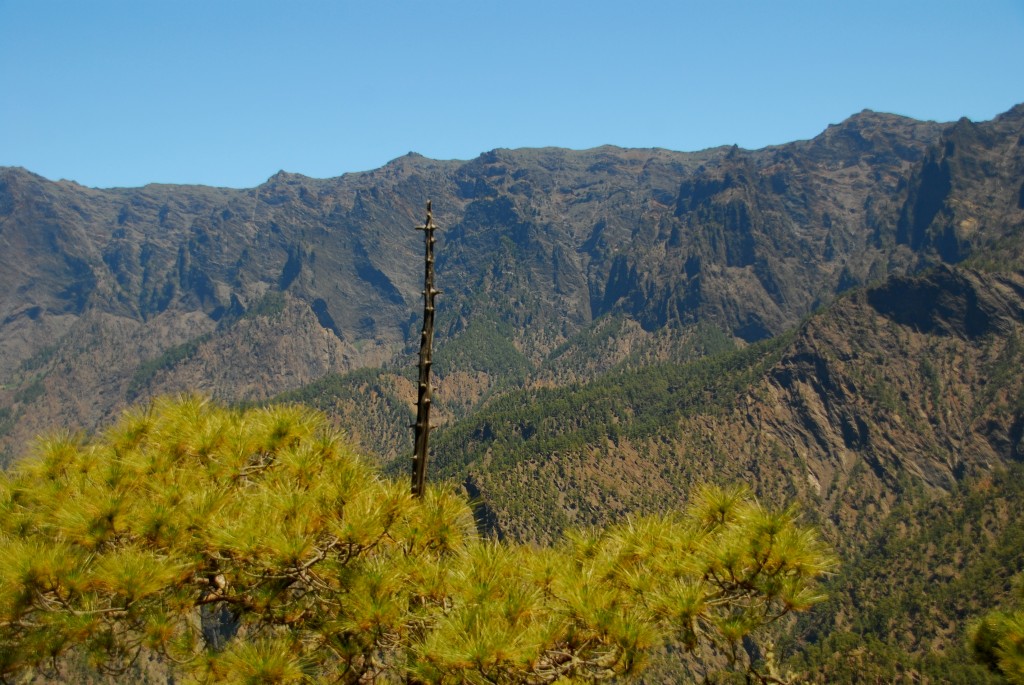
[(913, 384), (837, 322), (544, 241), (892, 417)]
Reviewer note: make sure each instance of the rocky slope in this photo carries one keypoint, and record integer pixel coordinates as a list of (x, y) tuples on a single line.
[(888, 417), (911, 386), (544, 241)]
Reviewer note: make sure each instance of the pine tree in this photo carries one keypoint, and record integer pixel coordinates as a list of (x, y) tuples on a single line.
[(997, 640), (256, 546)]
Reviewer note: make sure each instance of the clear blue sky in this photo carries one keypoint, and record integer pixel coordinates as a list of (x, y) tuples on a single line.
[(224, 92)]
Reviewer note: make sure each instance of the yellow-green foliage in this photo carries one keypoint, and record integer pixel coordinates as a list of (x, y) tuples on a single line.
[(254, 546), (997, 640)]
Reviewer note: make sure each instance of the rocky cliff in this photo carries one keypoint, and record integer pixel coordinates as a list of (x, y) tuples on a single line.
[(98, 284)]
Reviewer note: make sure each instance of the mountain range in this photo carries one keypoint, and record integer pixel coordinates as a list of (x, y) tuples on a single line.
[(838, 322)]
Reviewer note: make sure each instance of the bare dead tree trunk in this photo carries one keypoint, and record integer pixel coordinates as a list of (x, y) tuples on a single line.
[(422, 425)]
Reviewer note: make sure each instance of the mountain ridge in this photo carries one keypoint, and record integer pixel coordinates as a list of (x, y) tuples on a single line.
[(724, 236)]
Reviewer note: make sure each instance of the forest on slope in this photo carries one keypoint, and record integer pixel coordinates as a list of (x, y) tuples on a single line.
[(835, 322)]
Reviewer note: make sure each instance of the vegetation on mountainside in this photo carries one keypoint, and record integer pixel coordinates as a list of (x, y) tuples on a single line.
[(902, 605), (254, 546), (484, 345), (270, 304), (168, 359), (365, 402), (534, 450), (626, 403), (612, 342)]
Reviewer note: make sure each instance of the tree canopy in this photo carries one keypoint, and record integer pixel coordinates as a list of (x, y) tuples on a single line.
[(997, 639), (256, 546)]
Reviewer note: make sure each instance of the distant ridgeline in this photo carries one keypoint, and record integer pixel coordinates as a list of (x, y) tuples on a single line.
[(835, 322)]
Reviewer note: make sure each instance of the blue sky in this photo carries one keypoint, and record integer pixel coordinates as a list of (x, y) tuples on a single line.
[(222, 92)]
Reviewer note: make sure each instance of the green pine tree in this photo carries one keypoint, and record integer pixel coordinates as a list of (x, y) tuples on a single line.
[(997, 640), (255, 546)]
